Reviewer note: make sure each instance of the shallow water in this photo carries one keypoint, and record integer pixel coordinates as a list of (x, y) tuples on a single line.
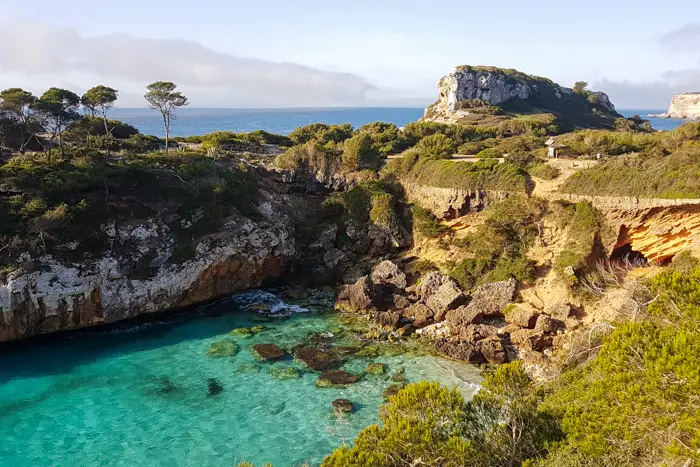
[(139, 395)]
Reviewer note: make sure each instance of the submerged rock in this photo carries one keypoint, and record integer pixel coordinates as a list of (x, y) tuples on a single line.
[(214, 387), (375, 369), (249, 368), (343, 406), (221, 349), (243, 332), (317, 359), (267, 352), (336, 378), (392, 390), (285, 372)]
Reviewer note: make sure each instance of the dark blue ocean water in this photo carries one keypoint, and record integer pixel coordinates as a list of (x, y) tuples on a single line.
[(191, 121)]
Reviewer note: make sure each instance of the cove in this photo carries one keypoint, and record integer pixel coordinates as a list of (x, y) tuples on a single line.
[(148, 394)]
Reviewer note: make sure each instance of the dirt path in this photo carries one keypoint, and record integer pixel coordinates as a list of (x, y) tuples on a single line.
[(567, 167)]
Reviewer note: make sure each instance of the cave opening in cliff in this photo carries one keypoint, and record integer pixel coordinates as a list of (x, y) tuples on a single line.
[(626, 254)]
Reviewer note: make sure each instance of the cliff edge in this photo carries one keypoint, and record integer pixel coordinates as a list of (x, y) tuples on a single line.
[(685, 105), (470, 92)]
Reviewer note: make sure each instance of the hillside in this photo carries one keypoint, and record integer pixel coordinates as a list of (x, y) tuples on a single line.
[(490, 95)]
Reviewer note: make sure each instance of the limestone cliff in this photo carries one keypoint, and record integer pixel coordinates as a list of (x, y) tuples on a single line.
[(684, 105), (450, 203), (139, 275), (467, 89)]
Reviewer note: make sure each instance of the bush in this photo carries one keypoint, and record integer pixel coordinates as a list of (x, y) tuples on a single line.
[(359, 152), (426, 224), (482, 175), (544, 171), (490, 153), (386, 137), (585, 225), (142, 143), (310, 158), (322, 133), (437, 146)]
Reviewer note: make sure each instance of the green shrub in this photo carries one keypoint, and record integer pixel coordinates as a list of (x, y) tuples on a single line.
[(359, 152), (490, 153), (437, 146), (142, 143), (426, 224), (544, 171), (482, 175), (585, 226)]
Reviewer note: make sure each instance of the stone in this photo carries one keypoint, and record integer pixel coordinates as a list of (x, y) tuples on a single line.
[(523, 317), (392, 390), (267, 352), (559, 310), (261, 308), (459, 350), (683, 105), (214, 387), (429, 283), (375, 369), (463, 316), (243, 332), (343, 406), (491, 299), (356, 297), (388, 273), (258, 329), (421, 314), (398, 377), (225, 348), (285, 372), (476, 332), (400, 302), (493, 350), (249, 368), (435, 331), (317, 359), (388, 319), (446, 297), (545, 324), (529, 339), (336, 378)]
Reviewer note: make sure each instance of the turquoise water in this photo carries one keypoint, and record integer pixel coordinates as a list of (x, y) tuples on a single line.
[(140, 395)]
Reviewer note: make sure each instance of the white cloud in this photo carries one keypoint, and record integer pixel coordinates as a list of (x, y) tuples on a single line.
[(44, 51)]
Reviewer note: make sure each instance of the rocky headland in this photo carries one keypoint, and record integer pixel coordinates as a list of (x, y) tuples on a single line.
[(684, 106)]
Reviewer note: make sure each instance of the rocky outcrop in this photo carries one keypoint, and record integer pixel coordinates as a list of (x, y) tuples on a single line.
[(684, 105), (467, 86), (139, 275), (450, 203)]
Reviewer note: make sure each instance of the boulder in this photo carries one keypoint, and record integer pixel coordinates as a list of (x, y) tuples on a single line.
[(523, 317), (461, 317), (559, 310), (493, 350), (529, 339), (476, 332), (356, 297), (336, 378), (317, 359), (421, 314), (429, 283), (545, 324), (435, 331), (446, 297), (460, 350), (392, 390), (267, 352), (491, 299), (388, 319), (342, 406), (225, 348), (388, 273), (399, 302), (375, 369)]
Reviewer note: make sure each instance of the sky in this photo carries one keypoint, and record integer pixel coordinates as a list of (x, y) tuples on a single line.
[(314, 53)]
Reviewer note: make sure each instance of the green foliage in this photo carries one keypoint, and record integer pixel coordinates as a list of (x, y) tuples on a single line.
[(490, 153), (372, 201), (544, 171), (311, 159), (635, 404), (386, 137), (482, 175), (585, 225), (426, 224), (323, 134), (437, 146), (674, 176), (580, 86), (139, 144), (359, 152), (162, 96)]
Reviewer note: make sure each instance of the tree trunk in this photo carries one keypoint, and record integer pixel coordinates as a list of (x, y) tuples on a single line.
[(166, 123), (108, 133)]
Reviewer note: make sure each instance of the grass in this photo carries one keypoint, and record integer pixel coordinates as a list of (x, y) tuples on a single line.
[(484, 175)]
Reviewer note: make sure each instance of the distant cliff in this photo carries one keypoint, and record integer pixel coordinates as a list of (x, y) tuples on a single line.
[(470, 91), (684, 105)]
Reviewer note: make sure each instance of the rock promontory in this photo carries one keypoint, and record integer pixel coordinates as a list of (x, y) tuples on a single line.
[(685, 105)]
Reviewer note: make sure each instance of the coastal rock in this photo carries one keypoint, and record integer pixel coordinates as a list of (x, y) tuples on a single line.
[(336, 378), (529, 339), (388, 273), (375, 369), (460, 350), (317, 359), (267, 352), (523, 317), (491, 299), (559, 310), (222, 349), (421, 314), (493, 350), (356, 297), (343, 406), (388, 319), (685, 105), (285, 372), (440, 293)]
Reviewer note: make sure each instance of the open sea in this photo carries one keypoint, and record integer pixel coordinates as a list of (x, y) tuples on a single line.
[(192, 121)]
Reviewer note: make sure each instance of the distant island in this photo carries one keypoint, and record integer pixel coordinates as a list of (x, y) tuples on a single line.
[(685, 105)]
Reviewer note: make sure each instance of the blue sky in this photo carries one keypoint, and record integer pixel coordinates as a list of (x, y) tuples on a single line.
[(269, 53)]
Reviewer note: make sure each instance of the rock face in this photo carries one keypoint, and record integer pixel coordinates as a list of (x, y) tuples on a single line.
[(47, 295), (496, 86), (684, 105), (449, 203)]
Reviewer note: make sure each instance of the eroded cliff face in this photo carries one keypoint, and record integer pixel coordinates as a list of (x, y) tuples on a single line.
[(140, 275), (450, 203), (684, 105), (658, 233), (495, 87)]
